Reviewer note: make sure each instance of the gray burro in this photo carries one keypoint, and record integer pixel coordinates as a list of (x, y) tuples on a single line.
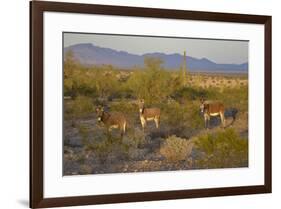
[(112, 120)]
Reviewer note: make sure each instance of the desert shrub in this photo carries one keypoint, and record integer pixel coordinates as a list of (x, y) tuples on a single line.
[(77, 78), (104, 146), (109, 147), (134, 138), (83, 130), (135, 83), (122, 93), (189, 93), (123, 106), (84, 133), (101, 81), (194, 117), (187, 115), (196, 93), (237, 97), (80, 106), (77, 83), (106, 82), (176, 149), (85, 169), (213, 93), (224, 149), (99, 145), (174, 114)]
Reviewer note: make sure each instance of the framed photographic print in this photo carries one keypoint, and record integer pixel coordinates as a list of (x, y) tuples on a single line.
[(139, 104)]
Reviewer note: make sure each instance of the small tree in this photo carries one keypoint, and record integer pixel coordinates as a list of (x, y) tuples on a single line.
[(153, 83), (105, 82)]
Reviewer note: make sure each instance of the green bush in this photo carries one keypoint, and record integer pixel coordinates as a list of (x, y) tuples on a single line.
[(195, 119), (99, 145), (95, 81), (176, 149), (174, 114), (84, 132), (123, 106), (80, 106), (104, 146), (189, 93), (134, 138), (187, 115), (237, 97), (224, 149)]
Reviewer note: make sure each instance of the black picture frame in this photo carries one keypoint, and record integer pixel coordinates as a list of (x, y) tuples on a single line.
[(37, 8)]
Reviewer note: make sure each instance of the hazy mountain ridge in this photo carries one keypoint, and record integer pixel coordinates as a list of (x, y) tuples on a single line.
[(89, 54)]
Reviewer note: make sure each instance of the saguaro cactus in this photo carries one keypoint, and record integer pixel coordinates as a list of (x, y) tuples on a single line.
[(183, 70)]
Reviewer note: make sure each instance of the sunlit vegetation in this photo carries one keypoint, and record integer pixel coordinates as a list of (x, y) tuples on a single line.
[(181, 142), (222, 149)]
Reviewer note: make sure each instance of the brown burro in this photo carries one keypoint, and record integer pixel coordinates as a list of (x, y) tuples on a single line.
[(112, 120), (212, 108), (148, 114)]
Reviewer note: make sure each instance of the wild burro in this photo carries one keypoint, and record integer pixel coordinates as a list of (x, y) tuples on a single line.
[(212, 108), (112, 120), (148, 114)]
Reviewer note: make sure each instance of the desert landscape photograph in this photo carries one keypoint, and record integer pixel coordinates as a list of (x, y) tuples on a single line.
[(136, 103)]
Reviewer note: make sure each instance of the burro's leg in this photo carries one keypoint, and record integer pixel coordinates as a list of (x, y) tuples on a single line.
[(222, 119), (143, 122), (124, 127), (156, 120), (206, 119)]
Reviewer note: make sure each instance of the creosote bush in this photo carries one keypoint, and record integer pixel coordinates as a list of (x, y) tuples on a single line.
[(123, 106), (176, 149), (224, 149), (80, 106), (134, 138), (185, 116)]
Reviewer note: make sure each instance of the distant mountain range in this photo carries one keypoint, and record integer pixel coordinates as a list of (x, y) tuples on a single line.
[(89, 54)]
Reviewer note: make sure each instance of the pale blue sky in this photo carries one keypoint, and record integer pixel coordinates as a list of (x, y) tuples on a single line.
[(219, 51)]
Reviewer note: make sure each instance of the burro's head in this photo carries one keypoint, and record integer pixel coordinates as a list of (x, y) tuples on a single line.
[(99, 112), (141, 105)]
